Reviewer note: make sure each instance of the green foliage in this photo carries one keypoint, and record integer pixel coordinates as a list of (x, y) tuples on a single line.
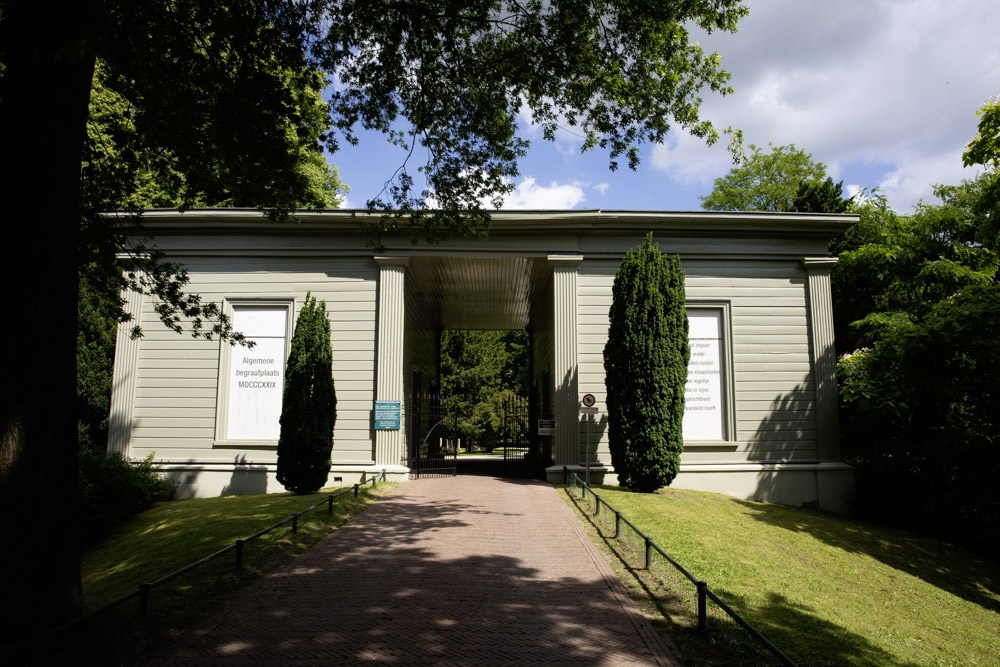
[(894, 268), (112, 489), (95, 344), (814, 196), (645, 360), (917, 307), (922, 412), (124, 170), (480, 370), (454, 77), (984, 150), (309, 403), (769, 182)]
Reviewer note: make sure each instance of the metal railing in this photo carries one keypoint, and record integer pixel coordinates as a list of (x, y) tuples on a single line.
[(241, 553), (651, 549)]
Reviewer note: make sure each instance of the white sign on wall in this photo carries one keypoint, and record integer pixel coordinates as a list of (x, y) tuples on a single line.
[(257, 374), (703, 403)]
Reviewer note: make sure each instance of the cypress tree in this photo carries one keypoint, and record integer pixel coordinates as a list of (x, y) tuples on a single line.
[(645, 363), (309, 403)]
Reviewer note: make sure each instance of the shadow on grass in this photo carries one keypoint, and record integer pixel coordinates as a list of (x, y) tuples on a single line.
[(794, 628), (949, 568)]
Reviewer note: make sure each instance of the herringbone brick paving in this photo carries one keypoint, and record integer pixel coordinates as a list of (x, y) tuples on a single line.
[(462, 570)]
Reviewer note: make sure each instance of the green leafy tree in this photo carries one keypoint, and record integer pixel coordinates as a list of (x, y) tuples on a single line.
[(824, 196), (893, 269), (922, 420), (479, 369), (451, 77), (918, 382), (645, 362), (984, 150), (765, 181), (308, 404), (123, 171)]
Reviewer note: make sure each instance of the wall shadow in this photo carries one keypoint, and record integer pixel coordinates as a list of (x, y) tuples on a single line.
[(376, 591), (791, 419), (949, 568), (248, 480)]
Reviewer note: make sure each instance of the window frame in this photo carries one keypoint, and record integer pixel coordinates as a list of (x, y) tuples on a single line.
[(727, 374), (229, 307)]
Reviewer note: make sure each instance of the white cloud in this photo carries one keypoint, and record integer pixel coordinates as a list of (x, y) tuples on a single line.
[(555, 196), (857, 81), (602, 188)]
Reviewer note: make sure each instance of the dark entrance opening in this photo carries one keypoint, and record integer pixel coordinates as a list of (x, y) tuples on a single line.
[(480, 422)]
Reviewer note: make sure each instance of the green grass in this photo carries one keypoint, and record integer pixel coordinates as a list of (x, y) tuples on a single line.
[(172, 535), (826, 589)]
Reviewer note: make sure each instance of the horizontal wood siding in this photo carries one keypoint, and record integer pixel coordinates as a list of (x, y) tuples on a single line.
[(178, 378), (774, 391)]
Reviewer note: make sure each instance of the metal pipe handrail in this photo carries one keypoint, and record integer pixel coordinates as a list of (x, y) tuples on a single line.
[(704, 592), (142, 592)]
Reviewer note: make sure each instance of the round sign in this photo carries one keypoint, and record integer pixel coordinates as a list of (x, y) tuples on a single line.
[(589, 400)]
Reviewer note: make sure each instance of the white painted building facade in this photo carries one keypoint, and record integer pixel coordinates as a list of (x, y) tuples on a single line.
[(761, 419)]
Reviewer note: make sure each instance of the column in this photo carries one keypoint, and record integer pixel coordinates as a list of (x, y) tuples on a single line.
[(389, 370), (824, 356), (124, 376), (566, 442)]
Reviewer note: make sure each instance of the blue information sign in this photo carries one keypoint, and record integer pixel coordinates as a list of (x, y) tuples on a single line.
[(386, 415)]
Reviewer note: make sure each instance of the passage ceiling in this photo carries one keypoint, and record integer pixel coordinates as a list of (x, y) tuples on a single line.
[(480, 292)]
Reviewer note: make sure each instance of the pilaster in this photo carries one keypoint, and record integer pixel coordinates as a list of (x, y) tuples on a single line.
[(124, 376), (566, 442), (391, 327), (824, 356)]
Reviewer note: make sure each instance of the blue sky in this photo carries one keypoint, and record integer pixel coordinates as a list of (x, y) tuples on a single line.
[(883, 92)]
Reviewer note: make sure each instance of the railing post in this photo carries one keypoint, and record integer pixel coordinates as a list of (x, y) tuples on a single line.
[(295, 523), (143, 599), (355, 490), (702, 615), (618, 523), (239, 554), (329, 504), (597, 509), (649, 552)]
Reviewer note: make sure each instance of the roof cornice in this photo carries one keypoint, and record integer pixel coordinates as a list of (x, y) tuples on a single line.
[(351, 221)]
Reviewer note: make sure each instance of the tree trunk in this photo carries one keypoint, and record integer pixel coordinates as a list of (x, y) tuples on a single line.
[(44, 95)]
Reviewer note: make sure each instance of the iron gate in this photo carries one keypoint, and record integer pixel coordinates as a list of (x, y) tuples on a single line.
[(521, 452), (433, 442)]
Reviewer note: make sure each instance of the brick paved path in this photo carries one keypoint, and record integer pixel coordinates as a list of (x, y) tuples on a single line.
[(464, 570)]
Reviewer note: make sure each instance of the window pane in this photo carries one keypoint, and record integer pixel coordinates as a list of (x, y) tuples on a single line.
[(256, 375), (703, 402)]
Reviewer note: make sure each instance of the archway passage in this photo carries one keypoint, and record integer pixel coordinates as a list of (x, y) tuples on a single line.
[(477, 398)]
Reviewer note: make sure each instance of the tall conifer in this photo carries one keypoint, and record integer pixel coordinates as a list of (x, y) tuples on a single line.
[(309, 403), (645, 361)]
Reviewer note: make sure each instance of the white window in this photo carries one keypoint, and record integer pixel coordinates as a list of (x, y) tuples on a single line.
[(708, 395), (253, 378)]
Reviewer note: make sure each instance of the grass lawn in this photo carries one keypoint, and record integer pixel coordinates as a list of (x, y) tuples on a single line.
[(826, 589), (172, 535)]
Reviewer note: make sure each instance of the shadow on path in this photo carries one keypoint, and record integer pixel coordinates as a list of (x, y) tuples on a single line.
[(433, 578)]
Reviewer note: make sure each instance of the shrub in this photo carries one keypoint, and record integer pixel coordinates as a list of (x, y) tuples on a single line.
[(113, 488), (645, 360), (309, 403), (922, 421)]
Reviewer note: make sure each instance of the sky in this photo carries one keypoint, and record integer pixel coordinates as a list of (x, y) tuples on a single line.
[(882, 92)]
